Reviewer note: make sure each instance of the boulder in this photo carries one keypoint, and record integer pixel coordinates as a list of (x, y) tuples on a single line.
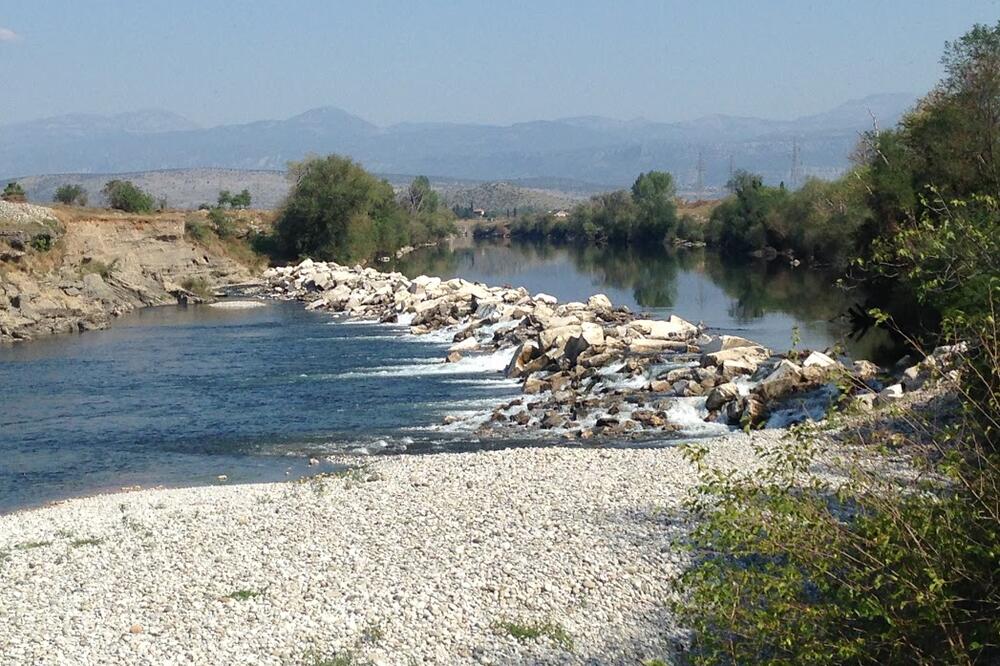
[(915, 376), (784, 379), (524, 354), (546, 298), (468, 344), (599, 302), (889, 394), (673, 328), (654, 345), (591, 336), (819, 360), (557, 336), (720, 395), (865, 370), (534, 385), (453, 357), (749, 356)]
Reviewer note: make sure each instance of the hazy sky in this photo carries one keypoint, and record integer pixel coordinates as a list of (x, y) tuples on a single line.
[(492, 62)]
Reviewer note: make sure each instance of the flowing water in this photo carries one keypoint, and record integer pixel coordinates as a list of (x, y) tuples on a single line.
[(181, 396)]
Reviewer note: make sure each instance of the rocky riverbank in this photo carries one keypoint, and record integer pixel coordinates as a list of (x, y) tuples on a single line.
[(71, 271), (443, 559), (592, 369)]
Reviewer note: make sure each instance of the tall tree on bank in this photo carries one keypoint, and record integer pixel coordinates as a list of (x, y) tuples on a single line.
[(654, 196)]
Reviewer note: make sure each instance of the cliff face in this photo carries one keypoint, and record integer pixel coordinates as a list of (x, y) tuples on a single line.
[(97, 265)]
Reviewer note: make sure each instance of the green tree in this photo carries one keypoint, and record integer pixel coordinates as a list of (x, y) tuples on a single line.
[(420, 198), (241, 200), (71, 195), (655, 207), (225, 199), (124, 195), (337, 210)]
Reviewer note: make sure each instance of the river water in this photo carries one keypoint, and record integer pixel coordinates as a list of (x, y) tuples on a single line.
[(181, 396)]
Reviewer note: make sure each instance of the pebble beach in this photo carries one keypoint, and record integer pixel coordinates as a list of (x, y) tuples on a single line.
[(436, 559)]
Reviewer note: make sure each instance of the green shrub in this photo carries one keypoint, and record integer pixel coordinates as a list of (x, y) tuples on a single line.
[(42, 242), (197, 285), (124, 195), (221, 223), (13, 192), (196, 229), (71, 195)]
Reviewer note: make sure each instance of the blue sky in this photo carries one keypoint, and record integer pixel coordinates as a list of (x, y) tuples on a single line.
[(491, 62)]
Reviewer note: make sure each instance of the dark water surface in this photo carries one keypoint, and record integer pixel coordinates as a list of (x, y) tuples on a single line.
[(179, 396)]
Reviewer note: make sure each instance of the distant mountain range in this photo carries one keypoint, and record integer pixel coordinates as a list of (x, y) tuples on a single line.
[(581, 153)]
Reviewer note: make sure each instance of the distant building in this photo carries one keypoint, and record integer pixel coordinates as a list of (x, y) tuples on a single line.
[(561, 214), (478, 212)]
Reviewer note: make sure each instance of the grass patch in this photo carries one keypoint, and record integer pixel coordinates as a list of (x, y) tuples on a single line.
[(530, 630), (372, 633), (198, 286), (90, 541), (244, 595), (346, 658), (29, 545)]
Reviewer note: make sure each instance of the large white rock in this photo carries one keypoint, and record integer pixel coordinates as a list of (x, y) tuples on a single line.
[(468, 344), (819, 360), (674, 328), (546, 298), (599, 302)]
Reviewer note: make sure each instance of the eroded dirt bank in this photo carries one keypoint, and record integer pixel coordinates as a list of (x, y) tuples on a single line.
[(72, 270)]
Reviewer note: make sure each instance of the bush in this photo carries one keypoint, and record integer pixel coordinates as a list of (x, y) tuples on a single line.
[(71, 195), (221, 223), (880, 569), (13, 192), (124, 195), (196, 229), (42, 243), (197, 285)]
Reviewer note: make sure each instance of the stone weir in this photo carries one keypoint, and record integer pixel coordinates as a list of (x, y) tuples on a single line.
[(586, 369)]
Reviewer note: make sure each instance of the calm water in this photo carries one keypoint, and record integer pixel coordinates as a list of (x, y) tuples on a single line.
[(179, 396)]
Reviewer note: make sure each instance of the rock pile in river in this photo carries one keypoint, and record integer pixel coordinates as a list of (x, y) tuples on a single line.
[(586, 369)]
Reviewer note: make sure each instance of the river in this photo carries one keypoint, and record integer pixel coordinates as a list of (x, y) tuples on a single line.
[(181, 396)]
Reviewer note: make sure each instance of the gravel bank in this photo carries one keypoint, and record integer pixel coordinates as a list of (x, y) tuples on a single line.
[(414, 560)]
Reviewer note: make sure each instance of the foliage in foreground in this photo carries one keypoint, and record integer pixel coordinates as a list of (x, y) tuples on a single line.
[(878, 567)]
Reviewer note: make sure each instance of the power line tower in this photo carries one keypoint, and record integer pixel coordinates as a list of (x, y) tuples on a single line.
[(795, 177), (700, 180)]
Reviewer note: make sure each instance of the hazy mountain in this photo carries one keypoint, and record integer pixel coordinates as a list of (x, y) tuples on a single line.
[(602, 151)]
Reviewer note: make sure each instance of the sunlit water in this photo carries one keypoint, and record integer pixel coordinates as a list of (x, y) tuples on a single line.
[(179, 396)]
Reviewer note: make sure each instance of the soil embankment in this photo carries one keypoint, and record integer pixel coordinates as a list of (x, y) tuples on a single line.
[(72, 270)]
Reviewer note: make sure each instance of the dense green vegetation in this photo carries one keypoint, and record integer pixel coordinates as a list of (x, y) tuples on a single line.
[(338, 211), (878, 568), (819, 221), (125, 195), (644, 215), (239, 200), (71, 195)]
